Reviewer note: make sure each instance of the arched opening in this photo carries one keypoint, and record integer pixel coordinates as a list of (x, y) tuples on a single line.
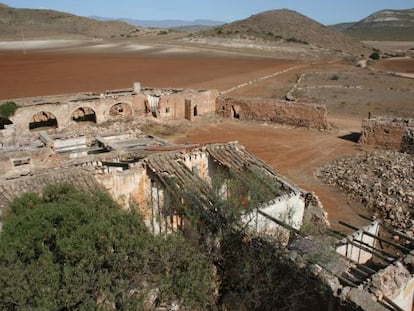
[(43, 119), (195, 112), (4, 122), (121, 110), (84, 114)]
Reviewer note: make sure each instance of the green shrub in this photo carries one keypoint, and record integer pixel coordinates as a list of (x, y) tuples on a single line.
[(71, 250), (8, 109), (335, 77), (375, 56), (295, 40)]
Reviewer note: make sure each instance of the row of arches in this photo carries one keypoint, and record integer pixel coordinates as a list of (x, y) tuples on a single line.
[(46, 119)]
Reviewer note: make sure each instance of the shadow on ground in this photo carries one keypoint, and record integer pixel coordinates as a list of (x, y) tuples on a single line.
[(353, 136)]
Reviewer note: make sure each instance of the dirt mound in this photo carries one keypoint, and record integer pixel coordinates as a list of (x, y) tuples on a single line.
[(288, 26), (29, 23), (382, 181)]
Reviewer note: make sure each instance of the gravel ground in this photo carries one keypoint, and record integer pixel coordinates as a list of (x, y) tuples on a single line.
[(382, 181)]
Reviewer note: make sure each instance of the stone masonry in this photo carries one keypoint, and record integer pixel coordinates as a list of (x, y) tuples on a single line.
[(388, 133)]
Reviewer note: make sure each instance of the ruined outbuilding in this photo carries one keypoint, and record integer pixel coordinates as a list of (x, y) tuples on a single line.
[(152, 175), (379, 270), (41, 144), (294, 113), (388, 133), (60, 111)]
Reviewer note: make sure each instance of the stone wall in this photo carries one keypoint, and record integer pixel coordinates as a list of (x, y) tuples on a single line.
[(387, 133), (64, 110), (407, 143), (179, 106), (271, 110)]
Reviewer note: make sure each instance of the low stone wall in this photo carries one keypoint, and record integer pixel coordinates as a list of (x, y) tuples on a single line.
[(386, 133), (407, 143), (271, 110)]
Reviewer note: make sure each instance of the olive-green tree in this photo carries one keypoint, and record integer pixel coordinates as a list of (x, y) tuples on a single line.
[(69, 250), (7, 109)]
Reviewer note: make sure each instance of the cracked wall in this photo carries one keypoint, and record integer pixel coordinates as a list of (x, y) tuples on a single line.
[(388, 133), (271, 110)]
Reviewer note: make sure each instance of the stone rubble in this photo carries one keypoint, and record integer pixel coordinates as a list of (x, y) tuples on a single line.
[(382, 181)]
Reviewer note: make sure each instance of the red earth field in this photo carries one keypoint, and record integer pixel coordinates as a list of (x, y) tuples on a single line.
[(34, 74), (403, 65)]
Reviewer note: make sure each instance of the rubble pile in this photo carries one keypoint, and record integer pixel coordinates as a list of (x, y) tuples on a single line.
[(382, 181)]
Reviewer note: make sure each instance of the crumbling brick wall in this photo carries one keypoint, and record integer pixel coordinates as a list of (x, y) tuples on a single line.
[(272, 110), (384, 132)]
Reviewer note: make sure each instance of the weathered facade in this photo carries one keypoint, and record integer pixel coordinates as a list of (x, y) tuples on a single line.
[(271, 110), (62, 110), (388, 133), (159, 179)]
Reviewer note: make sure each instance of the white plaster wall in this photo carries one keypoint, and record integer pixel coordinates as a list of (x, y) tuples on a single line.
[(69, 144), (356, 253), (288, 208), (405, 299)]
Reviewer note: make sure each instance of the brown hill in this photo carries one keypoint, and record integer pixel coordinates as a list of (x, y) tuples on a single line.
[(289, 26), (30, 24)]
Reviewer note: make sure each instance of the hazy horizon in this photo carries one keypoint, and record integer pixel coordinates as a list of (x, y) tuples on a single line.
[(323, 11)]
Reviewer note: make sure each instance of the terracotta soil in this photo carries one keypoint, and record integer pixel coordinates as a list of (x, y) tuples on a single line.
[(35, 74), (404, 65)]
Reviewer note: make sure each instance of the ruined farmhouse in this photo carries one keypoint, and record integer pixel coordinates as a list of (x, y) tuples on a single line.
[(44, 142)]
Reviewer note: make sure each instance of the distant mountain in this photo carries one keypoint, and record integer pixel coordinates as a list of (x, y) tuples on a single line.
[(286, 25), (341, 26), (31, 23), (386, 25), (193, 28), (168, 23)]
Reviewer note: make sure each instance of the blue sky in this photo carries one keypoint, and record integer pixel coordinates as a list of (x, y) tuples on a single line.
[(323, 11)]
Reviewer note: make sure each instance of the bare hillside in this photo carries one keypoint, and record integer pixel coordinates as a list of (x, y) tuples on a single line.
[(385, 25), (286, 26), (30, 23)]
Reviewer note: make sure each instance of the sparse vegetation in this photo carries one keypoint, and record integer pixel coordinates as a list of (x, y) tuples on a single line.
[(375, 56), (335, 77), (389, 25), (7, 109), (295, 40)]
